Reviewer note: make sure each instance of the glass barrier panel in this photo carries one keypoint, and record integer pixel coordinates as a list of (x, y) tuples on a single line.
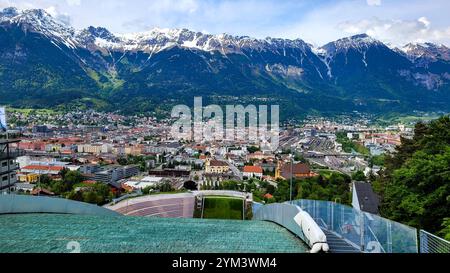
[(369, 232)]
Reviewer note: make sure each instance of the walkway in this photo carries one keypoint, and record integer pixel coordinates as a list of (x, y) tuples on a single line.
[(338, 245)]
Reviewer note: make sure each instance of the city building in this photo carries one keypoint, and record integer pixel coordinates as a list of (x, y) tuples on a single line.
[(90, 148), (42, 170), (216, 166), (115, 173), (169, 173), (27, 178), (23, 187), (139, 184), (253, 172), (299, 170)]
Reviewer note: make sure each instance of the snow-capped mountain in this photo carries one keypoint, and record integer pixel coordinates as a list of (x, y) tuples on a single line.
[(358, 55), (357, 71), (8, 13), (153, 41), (38, 20), (157, 39), (426, 51), (361, 43)]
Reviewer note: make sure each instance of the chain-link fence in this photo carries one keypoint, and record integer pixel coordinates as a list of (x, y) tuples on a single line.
[(430, 243)]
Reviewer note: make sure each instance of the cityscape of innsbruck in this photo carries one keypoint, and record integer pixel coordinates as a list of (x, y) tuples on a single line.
[(224, 135)]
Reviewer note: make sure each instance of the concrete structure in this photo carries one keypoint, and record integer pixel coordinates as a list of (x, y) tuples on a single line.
[(20, 204), (244, 195)]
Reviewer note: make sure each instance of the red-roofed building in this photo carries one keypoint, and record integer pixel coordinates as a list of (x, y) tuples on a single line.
[(200, 149), (300, 170), (42, 192), (32, 145), (268, 196), (41, 170), (260, 156), (253, 172)]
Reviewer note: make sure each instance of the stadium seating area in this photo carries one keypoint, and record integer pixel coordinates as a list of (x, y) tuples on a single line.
[(165, 206)]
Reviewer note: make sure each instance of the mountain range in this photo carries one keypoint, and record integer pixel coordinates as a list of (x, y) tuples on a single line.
[(45, 63)]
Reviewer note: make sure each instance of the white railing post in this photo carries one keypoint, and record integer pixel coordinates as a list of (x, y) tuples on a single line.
[(389, 236), (361, 228)]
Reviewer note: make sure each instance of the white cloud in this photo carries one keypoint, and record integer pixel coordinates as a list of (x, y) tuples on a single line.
[(398, 32), (424, 21), (184, 6), (73, 2), (374, 2), (394, 22), (20, 5), (61, 17)]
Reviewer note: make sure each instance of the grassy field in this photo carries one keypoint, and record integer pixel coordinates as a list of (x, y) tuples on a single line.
[(223, 208), (28, 111), (406, 119), (327, 173)]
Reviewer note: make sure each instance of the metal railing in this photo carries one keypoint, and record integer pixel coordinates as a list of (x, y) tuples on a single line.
[(430, 243), (368, 232)]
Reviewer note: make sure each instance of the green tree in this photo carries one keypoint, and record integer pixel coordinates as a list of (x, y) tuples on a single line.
[(76, 196), (166, 187), (122, 161), (377, 160), (359, 176), (300, 158), (147, 190), (71, 178), (415, 185), (91, 197), (445, 232), (253, 149)]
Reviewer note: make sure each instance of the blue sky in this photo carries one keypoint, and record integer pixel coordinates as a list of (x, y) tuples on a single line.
[(316, 21)]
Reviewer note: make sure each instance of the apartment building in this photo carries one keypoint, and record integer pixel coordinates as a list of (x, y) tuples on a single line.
[(115, 173), (8, 165)]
